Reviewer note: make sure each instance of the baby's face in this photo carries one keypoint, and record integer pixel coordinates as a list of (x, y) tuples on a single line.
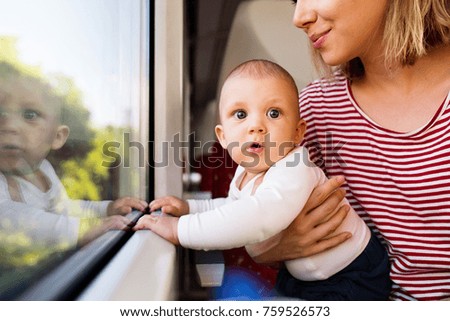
[(260, 123), (27, 126)]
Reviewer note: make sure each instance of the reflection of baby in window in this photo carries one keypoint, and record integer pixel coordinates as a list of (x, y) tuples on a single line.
[(31, 195)]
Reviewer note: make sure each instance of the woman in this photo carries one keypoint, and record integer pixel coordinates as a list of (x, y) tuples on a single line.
[(379, 124)]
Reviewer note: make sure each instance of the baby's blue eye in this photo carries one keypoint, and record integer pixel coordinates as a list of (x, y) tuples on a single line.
[(273, 113), (30, 114), (240, 114)]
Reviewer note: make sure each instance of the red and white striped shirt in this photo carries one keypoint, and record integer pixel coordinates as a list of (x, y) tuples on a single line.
[(398, 182)]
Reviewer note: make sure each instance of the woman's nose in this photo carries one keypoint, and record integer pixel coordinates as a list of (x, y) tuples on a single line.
[(304, 14)]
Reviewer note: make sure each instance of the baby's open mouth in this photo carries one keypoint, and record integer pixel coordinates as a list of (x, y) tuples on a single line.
[(255, 147)]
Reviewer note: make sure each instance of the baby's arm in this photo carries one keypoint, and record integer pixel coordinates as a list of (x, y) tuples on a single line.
[(163, 225), (251, 219), (37, 226), (167, 226), (101, 209)]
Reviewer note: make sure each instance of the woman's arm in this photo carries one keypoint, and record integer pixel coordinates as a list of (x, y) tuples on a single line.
[(309, 233)]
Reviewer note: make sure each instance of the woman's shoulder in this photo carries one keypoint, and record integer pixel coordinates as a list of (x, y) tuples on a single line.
[(322, 92), (325, 86)]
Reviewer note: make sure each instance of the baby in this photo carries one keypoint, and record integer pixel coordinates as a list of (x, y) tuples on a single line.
[(261, 129), (32, 197)]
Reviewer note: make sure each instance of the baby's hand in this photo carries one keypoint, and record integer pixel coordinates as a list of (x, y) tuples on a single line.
[(164, 226), (115, 222), (125, 205), (170, 205)]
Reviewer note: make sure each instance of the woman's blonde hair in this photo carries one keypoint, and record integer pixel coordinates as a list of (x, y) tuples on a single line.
[(411, 29)]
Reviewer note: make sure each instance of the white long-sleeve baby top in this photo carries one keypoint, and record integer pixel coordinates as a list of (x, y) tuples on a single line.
[(247, 217)]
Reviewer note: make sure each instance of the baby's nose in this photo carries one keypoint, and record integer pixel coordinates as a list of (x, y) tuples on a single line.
[(257, 128), (256, 125), (9, 121)]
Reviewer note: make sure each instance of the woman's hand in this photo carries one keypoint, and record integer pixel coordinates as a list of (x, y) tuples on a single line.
[(310, 233)]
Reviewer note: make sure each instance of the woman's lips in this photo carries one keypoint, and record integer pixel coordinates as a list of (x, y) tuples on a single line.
[(319, 40)]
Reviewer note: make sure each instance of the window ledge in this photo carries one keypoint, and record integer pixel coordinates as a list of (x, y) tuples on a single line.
[(143, 269)]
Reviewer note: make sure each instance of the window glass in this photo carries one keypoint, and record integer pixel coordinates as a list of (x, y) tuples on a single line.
[(73, 96)]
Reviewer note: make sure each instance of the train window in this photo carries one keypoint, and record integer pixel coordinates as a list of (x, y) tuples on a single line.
[(74, 119)]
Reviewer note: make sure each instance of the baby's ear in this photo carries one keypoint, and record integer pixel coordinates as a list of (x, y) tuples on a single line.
[(62, 133), (301, 129), (221, 136)]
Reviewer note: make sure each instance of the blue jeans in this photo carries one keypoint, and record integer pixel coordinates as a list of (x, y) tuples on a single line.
[(365, 279)]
